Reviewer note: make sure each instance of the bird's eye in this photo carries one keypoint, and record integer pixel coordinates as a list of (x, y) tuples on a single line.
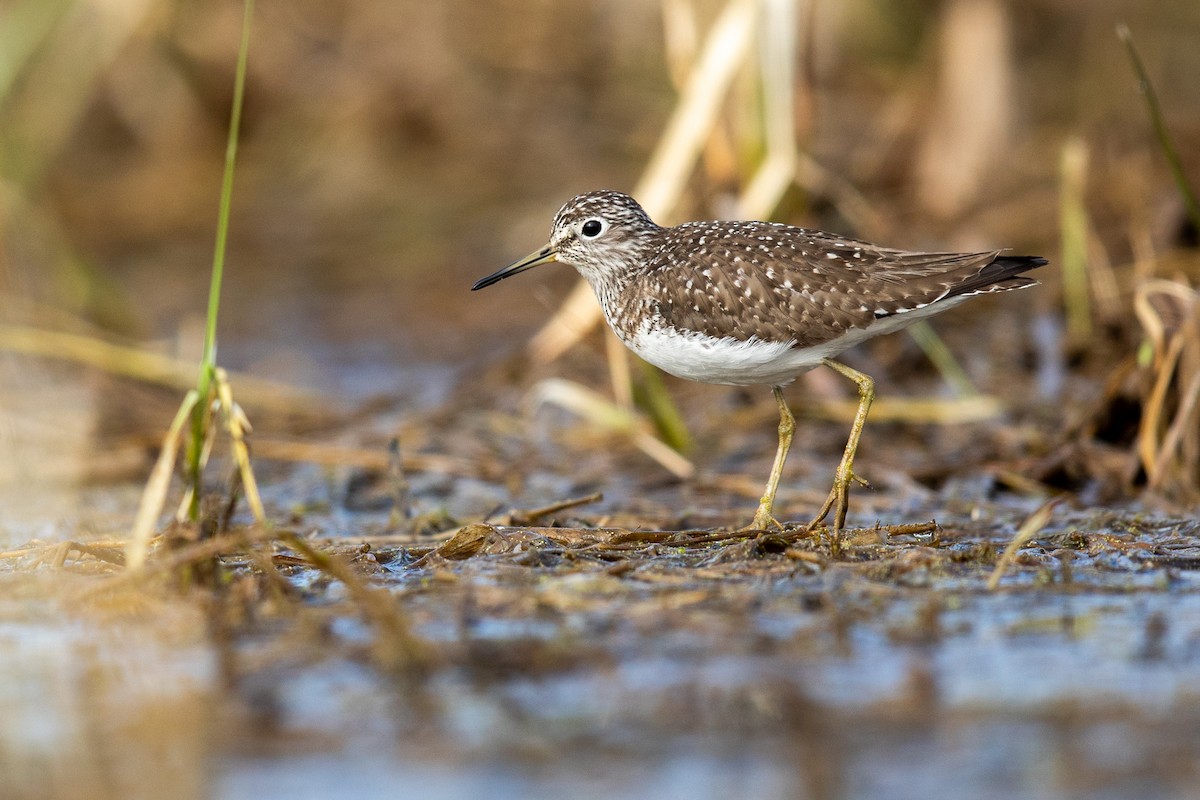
[(592, 228)]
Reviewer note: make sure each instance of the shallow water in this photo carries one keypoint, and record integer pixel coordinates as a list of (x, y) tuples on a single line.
[(880, 674)]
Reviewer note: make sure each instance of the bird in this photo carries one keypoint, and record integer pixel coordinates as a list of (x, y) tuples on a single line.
[(751, 303)]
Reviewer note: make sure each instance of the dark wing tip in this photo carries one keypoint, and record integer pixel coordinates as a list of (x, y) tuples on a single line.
[(1001, 273), (1017, 264)]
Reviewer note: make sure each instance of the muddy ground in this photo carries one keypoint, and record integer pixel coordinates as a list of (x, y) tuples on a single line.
[(624, 644)]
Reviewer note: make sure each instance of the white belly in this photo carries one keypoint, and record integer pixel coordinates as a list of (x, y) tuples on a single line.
[(691, 355), (702, 358)]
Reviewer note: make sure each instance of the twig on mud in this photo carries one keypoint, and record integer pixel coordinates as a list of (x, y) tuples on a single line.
[(109, 555), (187, 555), (466, 542), (56, 554), (23, 551), (909, 528), (530, 516), (633, 544), (1029, 528), (472, 540)]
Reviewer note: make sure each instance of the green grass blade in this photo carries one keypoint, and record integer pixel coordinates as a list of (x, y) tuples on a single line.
[(1160, 126), (652, 396), (209, 359), (208, 362), (942, 359)]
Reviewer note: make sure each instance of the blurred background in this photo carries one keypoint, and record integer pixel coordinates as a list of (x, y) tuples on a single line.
[(393, 152)]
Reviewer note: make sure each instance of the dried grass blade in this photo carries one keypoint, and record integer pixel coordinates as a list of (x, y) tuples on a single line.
[(1029, 528), (398, 646), (1073, 232), (725, 50), (1152, 410), (237, 425), (150, 367), (604, 413), (1170, 442), (155, 493), (777, 60)]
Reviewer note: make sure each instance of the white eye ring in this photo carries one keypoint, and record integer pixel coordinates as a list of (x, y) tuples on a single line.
[(593, 228)]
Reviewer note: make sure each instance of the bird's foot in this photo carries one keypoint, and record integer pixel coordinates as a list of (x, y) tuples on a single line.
[(763, 520), (838, 500)]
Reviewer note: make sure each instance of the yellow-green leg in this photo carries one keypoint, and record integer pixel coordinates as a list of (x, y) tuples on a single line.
[(764, 516), (839, 495)]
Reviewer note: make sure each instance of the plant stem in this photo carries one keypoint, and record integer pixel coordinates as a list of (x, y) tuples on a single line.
[(1073, 231), (1160, 126), (940, 356), (208, 361)]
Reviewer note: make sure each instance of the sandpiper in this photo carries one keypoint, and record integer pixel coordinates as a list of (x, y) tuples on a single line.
[(758, 303)]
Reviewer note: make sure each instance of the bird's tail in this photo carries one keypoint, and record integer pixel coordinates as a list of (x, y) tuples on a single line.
[(1002, 274)]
